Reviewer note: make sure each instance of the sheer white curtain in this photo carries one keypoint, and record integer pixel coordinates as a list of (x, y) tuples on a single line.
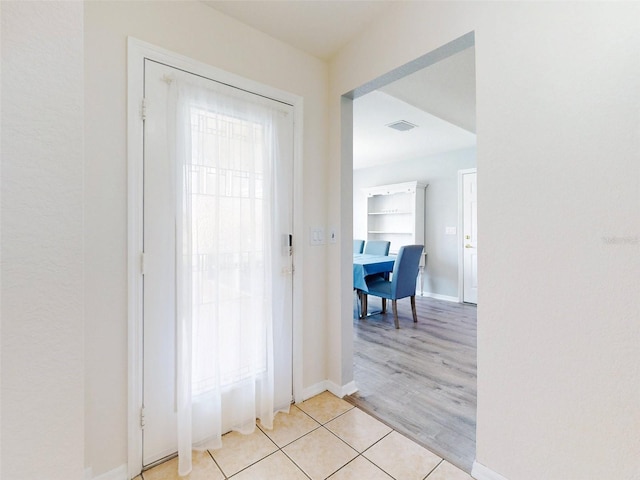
[(232, 217)]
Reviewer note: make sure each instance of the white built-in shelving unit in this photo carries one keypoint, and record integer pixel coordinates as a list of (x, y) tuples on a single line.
[(396, 213)]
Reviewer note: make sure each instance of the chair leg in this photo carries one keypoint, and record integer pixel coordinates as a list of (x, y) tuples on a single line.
[(384, 305), (413, 309), (394, 304), (363, 297)]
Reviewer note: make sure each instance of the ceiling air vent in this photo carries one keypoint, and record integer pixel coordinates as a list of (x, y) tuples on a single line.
[(401, 125)]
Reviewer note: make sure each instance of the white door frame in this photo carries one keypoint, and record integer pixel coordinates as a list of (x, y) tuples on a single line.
[(137, 52), (461, 174)]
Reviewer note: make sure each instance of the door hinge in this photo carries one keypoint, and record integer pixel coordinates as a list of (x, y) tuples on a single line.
[(143, 109), (142, 418), (143, 263)]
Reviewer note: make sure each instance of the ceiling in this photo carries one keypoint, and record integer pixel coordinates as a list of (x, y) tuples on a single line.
[(374, 143), (318, 27), (446, 89), (440, 99)]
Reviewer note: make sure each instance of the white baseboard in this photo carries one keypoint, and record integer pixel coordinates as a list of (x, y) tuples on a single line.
[(337, 390), (314, 390), (119, 473), (437, 296), (341, 391), (480, 472)]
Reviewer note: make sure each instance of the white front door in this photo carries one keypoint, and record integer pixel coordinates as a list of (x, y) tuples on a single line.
[(159, 287), (470, 237)]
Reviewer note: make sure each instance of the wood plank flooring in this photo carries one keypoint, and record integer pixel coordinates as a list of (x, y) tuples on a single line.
[(421, 379)]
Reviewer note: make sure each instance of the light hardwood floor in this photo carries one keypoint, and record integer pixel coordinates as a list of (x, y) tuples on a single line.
[(421, 379)]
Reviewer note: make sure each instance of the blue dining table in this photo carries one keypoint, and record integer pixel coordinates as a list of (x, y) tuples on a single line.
[(364, 264)]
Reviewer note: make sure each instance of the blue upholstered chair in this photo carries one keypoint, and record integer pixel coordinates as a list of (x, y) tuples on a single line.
[(402, 284), (358, 245), (377, 247)]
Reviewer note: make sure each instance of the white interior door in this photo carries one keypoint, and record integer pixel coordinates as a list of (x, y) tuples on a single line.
[(470, 234), (159, 289)]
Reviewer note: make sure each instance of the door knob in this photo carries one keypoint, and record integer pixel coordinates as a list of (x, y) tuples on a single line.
[(468, 246)]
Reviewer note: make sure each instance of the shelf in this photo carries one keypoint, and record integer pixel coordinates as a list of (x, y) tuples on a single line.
[(389, 213), (396, 188), (395, 213)]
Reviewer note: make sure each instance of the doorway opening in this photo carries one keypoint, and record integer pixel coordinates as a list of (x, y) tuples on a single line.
[(421, 379)]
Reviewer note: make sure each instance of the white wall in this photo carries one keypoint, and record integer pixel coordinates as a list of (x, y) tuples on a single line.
[(558, 109), (42, 252), (558, 142), (199, 32), (440, 172)]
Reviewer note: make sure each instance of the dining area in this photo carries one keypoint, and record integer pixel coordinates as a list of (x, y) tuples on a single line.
[(378, 273)]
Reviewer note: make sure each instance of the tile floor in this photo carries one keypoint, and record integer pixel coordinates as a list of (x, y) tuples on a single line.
[(321, 438)]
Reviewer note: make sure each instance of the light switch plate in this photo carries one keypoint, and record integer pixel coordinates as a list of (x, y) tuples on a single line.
[(316, 236), (450, 230)]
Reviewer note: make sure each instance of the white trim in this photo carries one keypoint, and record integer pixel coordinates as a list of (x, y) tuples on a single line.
[(298, 241), (480, 472), (341, 391), (459, 239), (437, 296), (119, 473), (137, 52), (135, 87), (314, 390), (327, 385)]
